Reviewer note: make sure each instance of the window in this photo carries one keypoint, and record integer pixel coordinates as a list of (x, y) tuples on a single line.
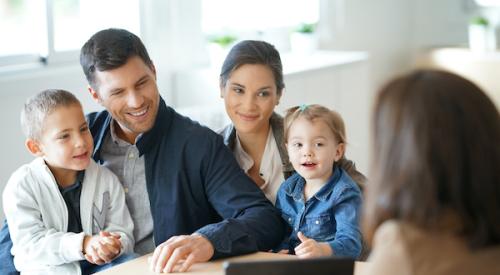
[(54, 30), (22, 29), (488, 3)]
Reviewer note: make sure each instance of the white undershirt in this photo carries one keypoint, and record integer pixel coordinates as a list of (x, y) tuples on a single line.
[(271, 170)]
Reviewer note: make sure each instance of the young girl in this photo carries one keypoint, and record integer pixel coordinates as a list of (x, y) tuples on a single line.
[(251, 84), (320, 201), (433, 204)]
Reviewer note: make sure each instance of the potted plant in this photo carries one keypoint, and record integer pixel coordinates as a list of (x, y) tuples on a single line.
[(303, 39), (222, 40), (481, 35)]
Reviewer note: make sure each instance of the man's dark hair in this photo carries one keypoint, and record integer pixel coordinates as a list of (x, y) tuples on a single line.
[(110, 49)]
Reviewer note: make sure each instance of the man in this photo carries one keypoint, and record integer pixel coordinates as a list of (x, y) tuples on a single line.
[(184, 189)]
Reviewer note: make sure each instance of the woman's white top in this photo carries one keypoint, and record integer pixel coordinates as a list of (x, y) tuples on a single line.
[(271, 168)]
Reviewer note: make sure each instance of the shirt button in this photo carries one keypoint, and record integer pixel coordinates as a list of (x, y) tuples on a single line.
[(289, 219), (131, 155), (317, 221), (296, 228), (125, 189)]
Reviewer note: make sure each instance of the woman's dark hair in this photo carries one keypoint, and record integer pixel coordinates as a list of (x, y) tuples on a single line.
[(253, 52), (109, 49), (436, 151)]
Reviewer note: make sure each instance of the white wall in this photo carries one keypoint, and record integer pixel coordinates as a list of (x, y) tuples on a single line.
[(383, 28), (394, 31), (441, 23)]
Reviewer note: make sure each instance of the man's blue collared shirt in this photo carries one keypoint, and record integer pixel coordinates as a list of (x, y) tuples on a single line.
[(331, 215)]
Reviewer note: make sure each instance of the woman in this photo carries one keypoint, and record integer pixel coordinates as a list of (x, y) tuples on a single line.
[(433, 203), (251, 84)]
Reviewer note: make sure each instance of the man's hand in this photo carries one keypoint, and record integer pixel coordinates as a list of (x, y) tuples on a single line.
[(310, 248), (190, 248), (283, 251), (102, 248)]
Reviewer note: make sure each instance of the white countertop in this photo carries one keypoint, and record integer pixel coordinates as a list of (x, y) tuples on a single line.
[(463, 54)]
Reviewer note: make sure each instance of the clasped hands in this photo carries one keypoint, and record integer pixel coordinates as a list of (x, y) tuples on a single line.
[(101, 248)]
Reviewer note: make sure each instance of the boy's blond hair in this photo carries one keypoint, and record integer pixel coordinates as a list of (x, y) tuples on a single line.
[(38, 107), (314, 112)]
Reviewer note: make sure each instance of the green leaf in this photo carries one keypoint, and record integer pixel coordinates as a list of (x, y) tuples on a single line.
[(222, 40), (306, 28), (479, 20)]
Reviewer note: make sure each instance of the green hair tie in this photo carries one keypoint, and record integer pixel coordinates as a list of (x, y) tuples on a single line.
[(303, 107)]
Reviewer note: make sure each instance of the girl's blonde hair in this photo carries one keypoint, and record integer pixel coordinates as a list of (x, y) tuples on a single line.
[(314, 112)]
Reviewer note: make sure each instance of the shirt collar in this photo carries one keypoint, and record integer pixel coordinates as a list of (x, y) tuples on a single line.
[(296, 190), (150, 139), (80, 175), (327, 189), (244, 160), (147, 140), (266, 165), (268, 162), (115, 138)]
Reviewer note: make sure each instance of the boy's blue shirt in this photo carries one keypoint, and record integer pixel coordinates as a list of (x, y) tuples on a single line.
[(331, 215)]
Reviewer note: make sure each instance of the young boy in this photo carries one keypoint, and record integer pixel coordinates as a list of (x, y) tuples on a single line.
[(63, 208)]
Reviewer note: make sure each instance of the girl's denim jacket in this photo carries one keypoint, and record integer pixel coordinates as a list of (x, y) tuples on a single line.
[(331, 215)]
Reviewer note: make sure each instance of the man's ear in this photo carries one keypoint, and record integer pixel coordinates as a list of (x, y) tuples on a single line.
[(153, 68), (340, 151), (33, 147), (94, 94), (221, 91), (221, 88)]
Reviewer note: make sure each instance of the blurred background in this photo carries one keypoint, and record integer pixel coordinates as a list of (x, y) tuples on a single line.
[(335, 52)]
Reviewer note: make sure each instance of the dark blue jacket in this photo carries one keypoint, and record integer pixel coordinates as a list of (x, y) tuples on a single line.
[(194, 185)]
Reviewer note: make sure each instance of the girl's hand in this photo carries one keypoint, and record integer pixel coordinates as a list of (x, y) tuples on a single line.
[(310, 248)]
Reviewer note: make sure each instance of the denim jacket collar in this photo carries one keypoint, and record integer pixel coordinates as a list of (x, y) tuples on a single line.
[(296, 190)]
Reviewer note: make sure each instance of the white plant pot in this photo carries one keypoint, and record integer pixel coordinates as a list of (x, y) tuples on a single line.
[(303, 43), (217, 54), (481, 38)]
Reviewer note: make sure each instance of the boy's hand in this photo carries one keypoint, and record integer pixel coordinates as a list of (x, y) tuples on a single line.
[(89, 249), (102, 248), (109, 246), (111, 243), (310, 248)]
